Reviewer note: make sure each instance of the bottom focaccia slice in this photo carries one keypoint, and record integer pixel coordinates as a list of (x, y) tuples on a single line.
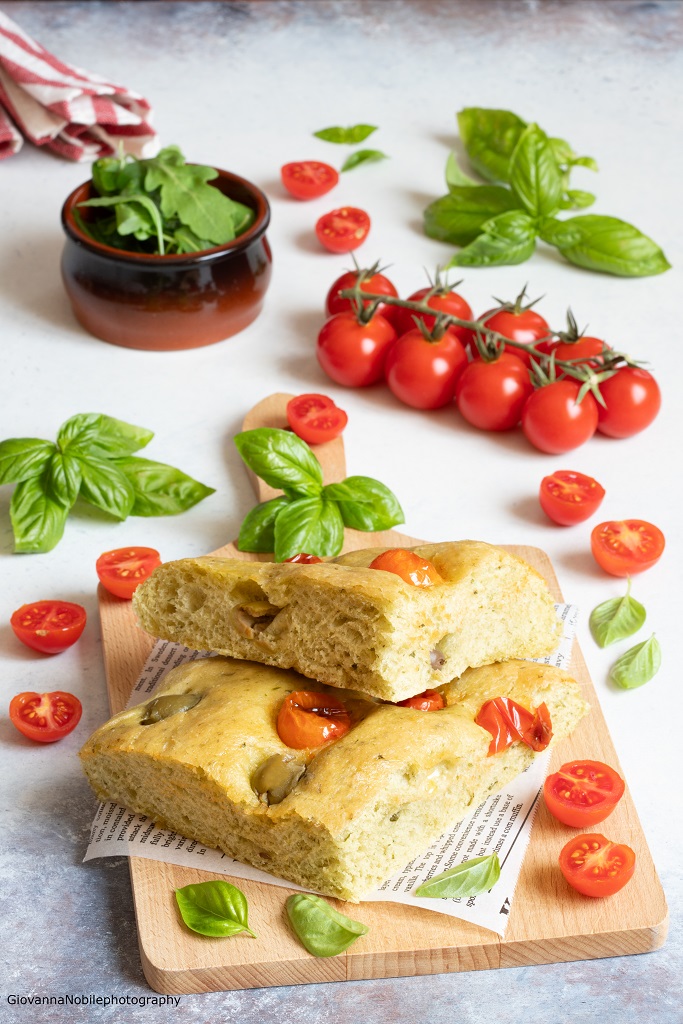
[(365, 804)]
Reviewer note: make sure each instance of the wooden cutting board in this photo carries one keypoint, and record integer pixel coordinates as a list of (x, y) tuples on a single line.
[(549, 922)]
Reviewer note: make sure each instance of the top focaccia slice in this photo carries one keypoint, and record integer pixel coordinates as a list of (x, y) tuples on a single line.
[(342, 623)]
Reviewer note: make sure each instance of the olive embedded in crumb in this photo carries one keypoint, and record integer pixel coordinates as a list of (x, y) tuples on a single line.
[(168, 704), (276, 777), (437, 659)]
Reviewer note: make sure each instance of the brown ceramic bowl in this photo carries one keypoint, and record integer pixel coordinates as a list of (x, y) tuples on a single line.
[(168, 302)]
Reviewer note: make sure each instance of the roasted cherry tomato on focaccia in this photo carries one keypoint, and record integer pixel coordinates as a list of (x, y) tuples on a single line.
[(309, 719), (315, 418), (410, 566), (430, 700), (45, 717), (595, 866), (583, 793), (343, 230), (626, 547), (371, 281), (509, 722), (304, 559), (49, 626), (568, 498), (308, 179), (121, 571)]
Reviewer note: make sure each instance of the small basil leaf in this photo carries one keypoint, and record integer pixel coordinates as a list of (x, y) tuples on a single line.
[(102, 436), (363, 156), (455, 176), (104, 485), (507, 239), (638, 665), (561, 150), (281, 459), (322, 930), (346, 136), (490, 136), (23, 457), (605, 243), (257, 532), (64, 477), (576, 199), (313, 525), (616, 619), (469, 879), (160, 490), (460, 216), (214, 908), (37, 517), (585, 161), (365, 504), (534, 174)]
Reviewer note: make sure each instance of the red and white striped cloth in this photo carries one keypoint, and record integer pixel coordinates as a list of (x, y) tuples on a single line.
[(71, 111)]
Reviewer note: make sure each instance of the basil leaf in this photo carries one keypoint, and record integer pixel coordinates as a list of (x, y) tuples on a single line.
[(160, 490), (616, 619), (469, 879), (37, 517), (23, 457), (576, 199), (460, 216), (638, 665), (490, 137), (363, 156), (104, 485), (585, 161), (102, 436), (313, 525), (281, 459), (346, 136), (64, 477), (534, 174), (214, 908), (365, 504), (507, 239), (257, 532), (605, 243), (321, 929), (455, 176)]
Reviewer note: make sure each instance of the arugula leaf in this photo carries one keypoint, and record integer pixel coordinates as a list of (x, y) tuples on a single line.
[(322, 930), (509, 238), (606, 244), (534, 174), (102, 436), (105, 486), (257, 532), (455, 176), (616, 619), (187, 241), (363, 156), (214, 908), (346, 136), (23, 457), (365, 504), (469, 879), (313, 525), (144, 201), (490, 137), (37, 516), (160, 490), (64, 477), (460, 216), (281, 459), (638, 665), (185, 194)]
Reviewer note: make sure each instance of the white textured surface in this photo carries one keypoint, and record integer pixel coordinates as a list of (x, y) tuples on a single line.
[(243, 86)]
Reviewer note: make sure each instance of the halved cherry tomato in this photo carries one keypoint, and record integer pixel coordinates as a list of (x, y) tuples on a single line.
[(315, 418), (308, 179), (304, 559), (343, 230), (122, 570), (443, 301), (309, 719), (410, 566), (582, 793), (626, 547), (371, 282), (430, 700), (595, 866), (568, 498), (424, 373), (633, 399), (526, 327), (353, 353), (491, 395), (509, 722), (554, 421), (49, 626), (45, 717), (585, 351)]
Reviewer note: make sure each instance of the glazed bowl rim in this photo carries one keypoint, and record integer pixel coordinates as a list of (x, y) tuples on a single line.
[(257, 229)]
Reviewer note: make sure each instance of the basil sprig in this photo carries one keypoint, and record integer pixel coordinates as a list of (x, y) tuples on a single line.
[(638, 665), (93, 461), (528, 177), (469, 879), (214, 908), (320, 928), (309, 516), (616, 619)]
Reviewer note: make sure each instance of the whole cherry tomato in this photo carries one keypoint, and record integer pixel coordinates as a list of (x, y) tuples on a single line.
[(315, 418), (526, 327), (430, 700), (627, 547), (411, 567), (372, 281), (585, 351), (45, 717), (583, 793), (353, 353), (633, 400), (554, 421), (424, 373), (595, 866), (343, 230), (309, 719), (48, 626), (569, 498), (491, 395), (441, 299), (308, 179)]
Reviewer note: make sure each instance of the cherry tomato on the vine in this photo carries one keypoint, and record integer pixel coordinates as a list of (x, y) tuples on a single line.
[(424, 373), (526, 327), (585, 351), (121, 571), (343, 230), (554, 421), (49, 626), (491, 395), (627, 547), (595, 866), (430, 700), (376, 283), (315, 418), (411, 567), (309, 719), (45, 717), (583, 793), (353, 353), (568, 498), (308, 179), (443, 301), (633, 399)]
